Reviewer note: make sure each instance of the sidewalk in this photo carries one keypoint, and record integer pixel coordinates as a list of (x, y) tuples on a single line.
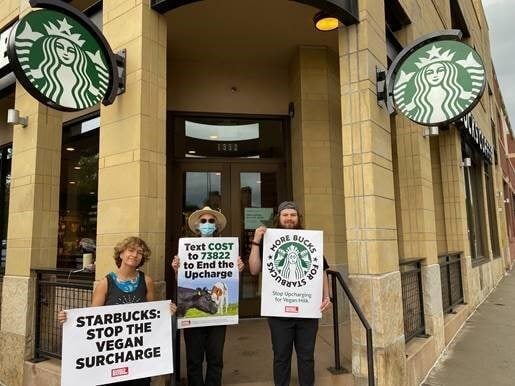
[(484, 350)]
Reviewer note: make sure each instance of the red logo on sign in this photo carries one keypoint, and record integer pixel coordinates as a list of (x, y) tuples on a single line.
[(291, 309), (119, 372), (185, 322)]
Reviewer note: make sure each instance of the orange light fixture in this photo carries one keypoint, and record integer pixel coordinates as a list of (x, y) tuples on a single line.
[(325, 22)]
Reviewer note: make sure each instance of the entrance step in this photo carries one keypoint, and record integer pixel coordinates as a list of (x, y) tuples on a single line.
[(248, 356)]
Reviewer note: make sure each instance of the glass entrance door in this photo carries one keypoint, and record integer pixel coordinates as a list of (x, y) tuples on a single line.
[(236, 164), (245, 193)]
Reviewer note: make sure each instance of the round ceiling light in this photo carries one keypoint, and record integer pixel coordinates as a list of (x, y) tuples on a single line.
[(325, 22)]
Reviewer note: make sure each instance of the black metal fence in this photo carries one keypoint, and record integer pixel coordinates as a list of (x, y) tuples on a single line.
[(452, 286), (57, 290), (412, 299)]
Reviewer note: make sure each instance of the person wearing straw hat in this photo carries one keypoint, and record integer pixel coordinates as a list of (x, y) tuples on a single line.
[(205, 342)]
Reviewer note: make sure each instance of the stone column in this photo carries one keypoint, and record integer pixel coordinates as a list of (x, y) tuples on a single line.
[(455, 210), (369, 200), (316, 146), (415, 209), (32, 233), (131, 184)]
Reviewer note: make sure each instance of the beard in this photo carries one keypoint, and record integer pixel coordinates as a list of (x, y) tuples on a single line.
[(290, 225)]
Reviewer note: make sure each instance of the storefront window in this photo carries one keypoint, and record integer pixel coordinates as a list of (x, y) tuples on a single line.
[(5, 185), (492, 211), (475, 210), (78, 193)]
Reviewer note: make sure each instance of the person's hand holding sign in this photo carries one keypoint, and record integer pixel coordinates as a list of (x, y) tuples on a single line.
[(326, 303), (62, 317)]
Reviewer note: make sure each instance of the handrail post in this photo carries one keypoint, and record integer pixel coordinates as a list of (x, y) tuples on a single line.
[(337, 369), (370, 358), (370, 347)]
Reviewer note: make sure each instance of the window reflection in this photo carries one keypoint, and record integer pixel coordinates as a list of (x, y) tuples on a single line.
[(78, 193), (225, 137), (200, 189)]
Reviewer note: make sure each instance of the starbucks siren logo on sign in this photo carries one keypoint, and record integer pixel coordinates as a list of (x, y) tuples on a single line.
[(439, 82), (61, 61), (292, 263)]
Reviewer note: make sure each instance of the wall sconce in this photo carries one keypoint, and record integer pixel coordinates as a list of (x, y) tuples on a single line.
[(13, 117), (325, 22), (430, 131), (466, 163), (506, 200)]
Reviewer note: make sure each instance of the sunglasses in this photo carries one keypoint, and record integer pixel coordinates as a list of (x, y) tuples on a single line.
[(211, 220)]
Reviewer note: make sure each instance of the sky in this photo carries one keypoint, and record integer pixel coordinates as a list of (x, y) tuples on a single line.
[(500, 15)]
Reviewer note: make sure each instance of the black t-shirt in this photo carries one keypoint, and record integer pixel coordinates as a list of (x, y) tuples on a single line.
[(326, 265)]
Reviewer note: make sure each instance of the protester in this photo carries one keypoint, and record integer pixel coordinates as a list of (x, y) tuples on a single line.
[(207, 341), (127, 285), (286, 332)]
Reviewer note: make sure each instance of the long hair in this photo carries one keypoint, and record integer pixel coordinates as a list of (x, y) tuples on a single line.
[(286, 271), (450, 106), (53, 87)]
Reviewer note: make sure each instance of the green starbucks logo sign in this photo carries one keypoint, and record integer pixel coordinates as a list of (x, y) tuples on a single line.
[(59, 61), (292, 261), (439, 82)]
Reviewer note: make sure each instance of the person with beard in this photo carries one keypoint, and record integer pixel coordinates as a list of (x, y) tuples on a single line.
[(286, 332)]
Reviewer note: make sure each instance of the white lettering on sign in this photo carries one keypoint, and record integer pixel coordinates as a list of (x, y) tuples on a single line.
[(477, 135), (4, 37)]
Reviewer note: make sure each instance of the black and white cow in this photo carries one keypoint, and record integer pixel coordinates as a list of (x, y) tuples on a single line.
[(195, 298)]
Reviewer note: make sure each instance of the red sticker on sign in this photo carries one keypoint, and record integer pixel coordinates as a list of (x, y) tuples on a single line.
[(291, 309), (119, 372)]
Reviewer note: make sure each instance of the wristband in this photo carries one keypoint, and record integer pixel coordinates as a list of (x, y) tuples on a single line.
[(254, 243)]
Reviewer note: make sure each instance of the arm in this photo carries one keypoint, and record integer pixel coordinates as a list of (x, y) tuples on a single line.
[(326, 300), (176, 263), (99, 293), (255, 258), (240, 264), (150, 288)]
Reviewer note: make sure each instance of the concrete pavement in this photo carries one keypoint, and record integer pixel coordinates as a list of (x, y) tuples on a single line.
[(483, 352)]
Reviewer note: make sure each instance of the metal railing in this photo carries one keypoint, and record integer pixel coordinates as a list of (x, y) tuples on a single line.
[(412, 299), (337, 277), (56, 290), (2, 273), (452, 285)]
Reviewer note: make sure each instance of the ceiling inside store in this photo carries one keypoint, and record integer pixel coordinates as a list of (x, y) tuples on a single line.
[(243, 30)]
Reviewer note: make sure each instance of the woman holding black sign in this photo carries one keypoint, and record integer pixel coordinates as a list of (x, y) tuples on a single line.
[(208, 341), (127, 285)]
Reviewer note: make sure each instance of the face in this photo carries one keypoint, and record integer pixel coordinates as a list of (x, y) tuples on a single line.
[(207, 218), (66, 51), (289, 219), (207, 224), (434, 73), (132, 256)]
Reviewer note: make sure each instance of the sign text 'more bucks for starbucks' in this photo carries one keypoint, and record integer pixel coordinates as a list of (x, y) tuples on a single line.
[(293, 264)]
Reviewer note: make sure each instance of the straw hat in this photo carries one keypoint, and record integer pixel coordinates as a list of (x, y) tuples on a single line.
[(221, 221)]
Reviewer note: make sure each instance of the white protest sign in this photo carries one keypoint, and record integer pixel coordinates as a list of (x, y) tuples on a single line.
[(208, 282), (110, 344), (293, 264)]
